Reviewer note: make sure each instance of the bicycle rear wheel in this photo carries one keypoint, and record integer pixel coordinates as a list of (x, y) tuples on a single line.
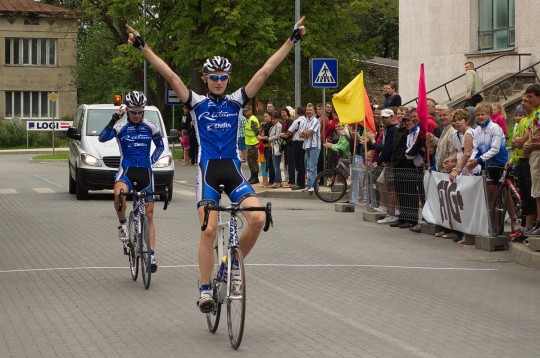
[(146, 269), (499, 211), (132, 245), (212, 317), (333, 187), (236, 301)]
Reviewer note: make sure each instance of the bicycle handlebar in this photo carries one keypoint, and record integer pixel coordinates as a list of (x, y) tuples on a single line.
[(163, 194), (235, 209)]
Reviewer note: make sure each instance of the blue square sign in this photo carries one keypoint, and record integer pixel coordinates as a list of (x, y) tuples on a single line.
[(324, 72)]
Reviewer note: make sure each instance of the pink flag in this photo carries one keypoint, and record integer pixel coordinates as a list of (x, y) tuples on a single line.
[(422, 107)]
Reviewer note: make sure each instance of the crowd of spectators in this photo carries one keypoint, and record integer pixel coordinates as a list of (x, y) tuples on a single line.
[(288, 147)]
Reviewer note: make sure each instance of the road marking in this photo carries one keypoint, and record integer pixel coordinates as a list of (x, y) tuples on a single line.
[(43, 190), (275, 265), (369, 329), (8, 191), (48, 181), (184, 192)]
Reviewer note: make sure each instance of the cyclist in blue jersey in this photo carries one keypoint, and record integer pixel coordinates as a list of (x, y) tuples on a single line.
[(216, 120), (134, 135)]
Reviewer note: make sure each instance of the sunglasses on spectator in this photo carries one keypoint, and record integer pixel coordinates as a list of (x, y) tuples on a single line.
[(218, 77), (135, 112)]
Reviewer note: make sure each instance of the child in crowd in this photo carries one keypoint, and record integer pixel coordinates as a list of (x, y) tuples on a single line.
[(185, 147), (262, 160), (499, 116)]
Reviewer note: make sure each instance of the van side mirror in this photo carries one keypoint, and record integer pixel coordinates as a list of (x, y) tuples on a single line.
[(174, 135), (73, 134)]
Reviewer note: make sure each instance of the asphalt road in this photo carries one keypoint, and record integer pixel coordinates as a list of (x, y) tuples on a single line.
[(319, 284)]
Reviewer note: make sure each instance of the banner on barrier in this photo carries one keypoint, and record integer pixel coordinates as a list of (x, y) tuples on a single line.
[(458, 206)]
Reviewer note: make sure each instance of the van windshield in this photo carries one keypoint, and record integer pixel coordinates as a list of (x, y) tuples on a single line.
[(97, 119)]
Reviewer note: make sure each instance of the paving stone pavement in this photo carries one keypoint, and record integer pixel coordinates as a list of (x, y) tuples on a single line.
[(319, 284)]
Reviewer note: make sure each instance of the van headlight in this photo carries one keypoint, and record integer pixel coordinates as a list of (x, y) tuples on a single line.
[(90, 160), (163, 162)]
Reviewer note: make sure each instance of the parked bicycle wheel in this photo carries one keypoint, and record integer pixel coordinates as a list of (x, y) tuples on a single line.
[(132, 245), (236, 302), (212, 317), (330, 185), (146, 269), (499, 212)]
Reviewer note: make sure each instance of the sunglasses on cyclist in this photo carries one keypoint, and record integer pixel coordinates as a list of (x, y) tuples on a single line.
[(135, 112), (218, 77)]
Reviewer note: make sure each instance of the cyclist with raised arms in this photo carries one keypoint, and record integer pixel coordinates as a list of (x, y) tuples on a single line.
[(216, 120), (134, 135)]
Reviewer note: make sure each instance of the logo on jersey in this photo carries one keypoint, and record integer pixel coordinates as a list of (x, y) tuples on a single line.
[(241, 188), (212, 116), (212, 127)]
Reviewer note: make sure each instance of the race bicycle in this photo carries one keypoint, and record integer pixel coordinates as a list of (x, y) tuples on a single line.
[(506, 189), (138, 245), (225, 264)]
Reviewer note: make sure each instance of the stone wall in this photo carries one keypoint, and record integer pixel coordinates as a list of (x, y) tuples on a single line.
[(377, 74)]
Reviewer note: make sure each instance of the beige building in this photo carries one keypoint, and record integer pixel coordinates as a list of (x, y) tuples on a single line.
[(38, 57), (445, 34)]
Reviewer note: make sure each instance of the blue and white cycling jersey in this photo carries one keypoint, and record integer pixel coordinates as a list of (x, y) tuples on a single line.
[(135, 142), (489, 145), (216, 123)]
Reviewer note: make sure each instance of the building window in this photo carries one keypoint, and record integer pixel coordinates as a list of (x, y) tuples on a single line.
[(496, 20), (31, 52), (30, 105)]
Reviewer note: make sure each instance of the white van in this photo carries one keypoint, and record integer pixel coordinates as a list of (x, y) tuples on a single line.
[(93, 165)]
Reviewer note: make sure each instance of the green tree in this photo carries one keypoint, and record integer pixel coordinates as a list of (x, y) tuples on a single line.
[(185, 32)]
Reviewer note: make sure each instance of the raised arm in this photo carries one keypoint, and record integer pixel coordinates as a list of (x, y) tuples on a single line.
[(172, 78), (273, 62)]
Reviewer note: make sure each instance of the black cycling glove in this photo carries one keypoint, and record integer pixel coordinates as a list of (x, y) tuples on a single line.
[(296, 35), (114, 119), (139, 42)]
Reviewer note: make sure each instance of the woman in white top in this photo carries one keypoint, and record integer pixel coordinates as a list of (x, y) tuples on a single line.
[(274, 137), (463, 146)]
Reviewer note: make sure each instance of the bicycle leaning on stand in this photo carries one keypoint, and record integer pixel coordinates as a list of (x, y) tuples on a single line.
[(331, 184), (138, 245), (506, 186), (223, 277)]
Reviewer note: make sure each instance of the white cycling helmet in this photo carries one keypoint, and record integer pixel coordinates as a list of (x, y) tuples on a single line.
[(135, 99), (216, 64)]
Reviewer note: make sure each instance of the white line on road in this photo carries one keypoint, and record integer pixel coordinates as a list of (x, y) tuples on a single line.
[(369, 329), (48, 181), (8, 191), (275, 265), (184, 192), (43, 190)]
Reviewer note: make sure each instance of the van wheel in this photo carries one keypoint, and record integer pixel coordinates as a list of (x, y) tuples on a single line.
[(72, 184), (82, 193)]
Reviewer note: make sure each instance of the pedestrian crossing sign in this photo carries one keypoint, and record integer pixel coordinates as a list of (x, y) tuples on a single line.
[(324, 72)]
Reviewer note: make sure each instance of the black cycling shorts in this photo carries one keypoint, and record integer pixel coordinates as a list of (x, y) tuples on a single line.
[(215, 172)]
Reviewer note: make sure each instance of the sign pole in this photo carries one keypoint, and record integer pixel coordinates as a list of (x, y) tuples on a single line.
[(172, 127), (323, 120), (54, 113)]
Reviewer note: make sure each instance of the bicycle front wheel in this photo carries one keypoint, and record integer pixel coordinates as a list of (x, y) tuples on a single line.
[(212, 317), (132, 245), (330, 185), (499, 211), (236, 301), (144, 242)]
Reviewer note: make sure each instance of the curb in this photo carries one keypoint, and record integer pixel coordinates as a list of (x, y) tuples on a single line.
[(522, 255)]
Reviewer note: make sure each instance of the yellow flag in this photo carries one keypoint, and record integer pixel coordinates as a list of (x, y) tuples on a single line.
[(349, 102)]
